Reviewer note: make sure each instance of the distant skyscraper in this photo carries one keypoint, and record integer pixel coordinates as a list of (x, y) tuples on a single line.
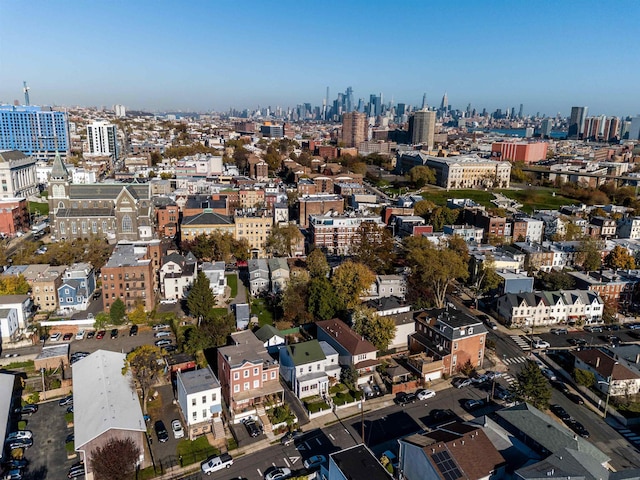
[(401, 109), (348, 100), (424, 101), (545, 130), (375, 105), (102, 138), (422, 126), (634, 130), (354, 128), (38, 132), (611, 129), (444, 104), (576, 122), (120, 111), (520, 112)]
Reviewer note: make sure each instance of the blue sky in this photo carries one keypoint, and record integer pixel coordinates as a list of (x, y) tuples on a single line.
[(204, 55)]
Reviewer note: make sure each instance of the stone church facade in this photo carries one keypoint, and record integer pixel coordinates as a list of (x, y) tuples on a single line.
[(114, 211)]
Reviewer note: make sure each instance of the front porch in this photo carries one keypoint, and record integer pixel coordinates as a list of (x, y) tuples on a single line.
[(245, 404)]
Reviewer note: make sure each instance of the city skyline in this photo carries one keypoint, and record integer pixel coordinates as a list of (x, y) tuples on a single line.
[(204, 57)]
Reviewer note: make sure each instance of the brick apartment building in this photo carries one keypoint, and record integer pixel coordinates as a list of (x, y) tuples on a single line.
[(318, 205), (167, 218), (519, 151), (14, 216), (493, 226)]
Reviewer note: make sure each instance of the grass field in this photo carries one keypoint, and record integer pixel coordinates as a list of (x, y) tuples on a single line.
[(39, 208), (260, 309), (537, 198), (232, 281)]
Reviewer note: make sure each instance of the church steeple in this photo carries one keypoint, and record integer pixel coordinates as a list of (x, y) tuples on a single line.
[(59, 171)]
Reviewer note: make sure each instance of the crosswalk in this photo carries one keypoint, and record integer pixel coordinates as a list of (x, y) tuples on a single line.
[(508, 378), (516, 360), (632, 437), (522, 341)]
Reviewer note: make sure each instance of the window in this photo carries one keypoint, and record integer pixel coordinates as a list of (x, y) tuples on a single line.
[(204, 399), (236, 388), (264, 377), (213, 397), (246, 373), (255, 371), (204, 414), (273, 375), (479, 354), (193, 402), (127, 224), (246, 386), (256, 384), (236, 375), (195, 415)]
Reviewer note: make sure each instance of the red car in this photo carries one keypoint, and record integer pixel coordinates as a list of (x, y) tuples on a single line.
[(100, 335), (67, 337)]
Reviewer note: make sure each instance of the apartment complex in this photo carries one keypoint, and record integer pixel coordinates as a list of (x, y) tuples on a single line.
[(102, 139), (337, 234), (422, 126), (519, 151), (354, 128)]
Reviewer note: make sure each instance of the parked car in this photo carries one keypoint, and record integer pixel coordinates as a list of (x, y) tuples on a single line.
[(291, 437), (215, 463), (313, 463), (493, 325), (460, 382), (19, 435), (473, 404), (593, 328), (162, 342), (480, 379), (161, 431), (561, 386), (91, 334), (168, 301), (100, 335), (70, 438), (70, 409), (176, 428), (549, 374), (252, 427), (114, 333), (539, 343), (19, 443), (68, 400), (492, 375), (501, 393), (27, 409), (76, 470), (559, 412), (160, 326), (80, 335), (67, 337), (133, 331), (612, 327), (439, 414), (406, 398), (170, 348), (16, 463), (559, 331), (277, 473), (161, 334), (13, 474), (55, 337), (426, 394), (575, 398)]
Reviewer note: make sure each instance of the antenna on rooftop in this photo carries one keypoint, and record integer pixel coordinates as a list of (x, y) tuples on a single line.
[(26, 89)]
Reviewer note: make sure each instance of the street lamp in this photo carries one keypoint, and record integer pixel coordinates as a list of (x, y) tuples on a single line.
[(606, 403)]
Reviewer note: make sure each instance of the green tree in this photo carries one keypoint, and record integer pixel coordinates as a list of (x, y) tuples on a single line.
[(143, 363), (282, 240), (373, 246), (294, 301), (486, 277), (322, 302), (588, 255), (441, 216), (434, 267), (349, 375), (138, 315), (458, 245), (532, 387), (423, 208), (422, 175), (117, 311), (584, 377), (380, 331), (351, 280), (200, 300), (556, 280), (115, 460), (101, 321), (212, 332), (317, 264), (156, 158), (620, 259)]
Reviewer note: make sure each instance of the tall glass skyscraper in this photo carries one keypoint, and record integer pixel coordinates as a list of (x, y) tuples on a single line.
[(38, 132)]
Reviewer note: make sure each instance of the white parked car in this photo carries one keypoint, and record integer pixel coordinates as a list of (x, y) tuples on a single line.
[(168, 301), (176, 427), (426, 394), (539, 343), (162, 334), (80, 335), (213, 464), (278, 473), (55, 337)]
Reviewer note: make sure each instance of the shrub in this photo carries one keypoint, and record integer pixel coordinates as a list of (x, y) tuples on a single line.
[(584, 377), (34, 397)]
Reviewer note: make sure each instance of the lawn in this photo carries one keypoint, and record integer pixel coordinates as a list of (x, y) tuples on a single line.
[(537, 198), (260, 309), (39, 208), (232, 281), (195, 451)]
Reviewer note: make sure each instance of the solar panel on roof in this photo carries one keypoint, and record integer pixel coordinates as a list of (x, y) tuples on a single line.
[(447, 466)]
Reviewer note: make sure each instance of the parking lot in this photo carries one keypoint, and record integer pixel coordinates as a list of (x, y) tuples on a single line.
[(48, 457)]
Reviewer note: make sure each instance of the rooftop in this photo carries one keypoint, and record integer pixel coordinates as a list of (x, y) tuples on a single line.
[(350, 340), (358, 463), (196, 381)]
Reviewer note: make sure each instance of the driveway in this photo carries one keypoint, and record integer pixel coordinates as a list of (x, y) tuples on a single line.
[(48, 456), (166, 453)]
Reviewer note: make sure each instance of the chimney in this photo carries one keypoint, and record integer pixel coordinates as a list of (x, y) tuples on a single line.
[(598, 362), (638, 358)]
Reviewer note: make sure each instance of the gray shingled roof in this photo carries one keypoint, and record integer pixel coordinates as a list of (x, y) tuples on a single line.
[(11, 155)]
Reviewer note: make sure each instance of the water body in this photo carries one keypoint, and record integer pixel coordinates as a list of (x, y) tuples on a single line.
[(519, 132)]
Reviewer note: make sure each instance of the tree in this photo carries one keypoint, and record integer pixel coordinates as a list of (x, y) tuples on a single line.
[(282, 240), (294, 301), (117, 311), (317, 264), (156, 158), (350, 280), (116, 460), (138, 314), (441, 216), (588, 255), (200, 300), (423, 208), (486, 278), (212, 332), (572, 232), (532, 387), (584, 377), (101, 321), (434, 267), (380, 331), (14, 285), (620, 259), (422, 175), (349, 375), (458, 245), (322, 301), (467, 368), (143, 363), (373, 247)]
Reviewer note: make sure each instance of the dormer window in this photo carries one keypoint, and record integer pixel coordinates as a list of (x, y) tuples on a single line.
[(462, 331), (470, 330)]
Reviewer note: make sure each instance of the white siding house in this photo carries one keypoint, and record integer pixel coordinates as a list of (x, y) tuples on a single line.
[(200, 400)]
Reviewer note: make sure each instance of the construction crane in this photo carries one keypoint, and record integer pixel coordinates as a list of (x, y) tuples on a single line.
[(26, 89)]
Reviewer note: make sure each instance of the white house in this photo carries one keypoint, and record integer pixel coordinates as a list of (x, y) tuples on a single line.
[(629, 227), (200, 400), (611, 376), (258, 276), (215, 273), (550, 308), (271, 337), (307, 366), (387, 286), (177, 274), (23, 305), (8, 324)]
